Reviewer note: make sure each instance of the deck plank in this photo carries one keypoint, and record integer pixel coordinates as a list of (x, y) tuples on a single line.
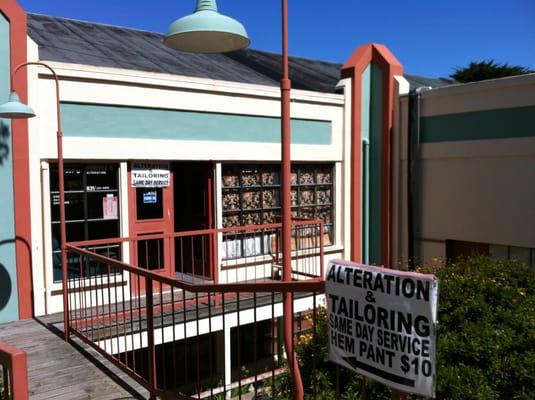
[(58, 370)]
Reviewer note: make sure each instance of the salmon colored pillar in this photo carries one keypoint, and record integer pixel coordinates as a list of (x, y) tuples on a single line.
[(353, 69)]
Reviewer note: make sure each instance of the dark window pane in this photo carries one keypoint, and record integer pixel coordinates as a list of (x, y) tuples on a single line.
[(149, 203), (103, 229), (101, 177), (150, 254), (74, 206), (95, 205), (73, 177), (82, 205)]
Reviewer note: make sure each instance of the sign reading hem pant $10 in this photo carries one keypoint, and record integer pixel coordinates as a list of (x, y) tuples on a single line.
[(382, 324)]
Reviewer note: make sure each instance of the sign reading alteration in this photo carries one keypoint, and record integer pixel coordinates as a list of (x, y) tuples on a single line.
[(382, 324), (150, 174)]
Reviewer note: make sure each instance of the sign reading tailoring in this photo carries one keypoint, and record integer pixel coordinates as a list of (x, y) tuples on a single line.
[(150, 174), (382, 324)]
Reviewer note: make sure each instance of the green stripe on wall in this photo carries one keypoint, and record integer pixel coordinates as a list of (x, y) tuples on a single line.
[(365, 134), (9, 308), (376, 118), (91, 120), (478, 125)]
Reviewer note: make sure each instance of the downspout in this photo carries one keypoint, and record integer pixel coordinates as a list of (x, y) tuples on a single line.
[(413, 153)]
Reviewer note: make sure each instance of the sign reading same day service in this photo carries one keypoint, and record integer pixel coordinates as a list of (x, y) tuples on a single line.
[(382, 324), (150, 174)]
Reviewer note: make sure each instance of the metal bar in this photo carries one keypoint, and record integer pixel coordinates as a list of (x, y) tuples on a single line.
[(174, 337), (150, 337), (238, 341), (198, 345), (255, 350), (163, 358), (211, 345), (139, 316), (273, 334), (224, 333), (284, 287), (184, 315), (230, 230), (314, 347)]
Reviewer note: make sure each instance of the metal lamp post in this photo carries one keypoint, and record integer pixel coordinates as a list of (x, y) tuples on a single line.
[(207, 31), (14, 109)]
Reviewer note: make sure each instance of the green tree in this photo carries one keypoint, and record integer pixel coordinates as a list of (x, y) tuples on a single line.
[(480, 71)]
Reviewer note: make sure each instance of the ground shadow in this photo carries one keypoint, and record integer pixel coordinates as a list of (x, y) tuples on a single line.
[(5, 140), (5, 287), (18, 239)]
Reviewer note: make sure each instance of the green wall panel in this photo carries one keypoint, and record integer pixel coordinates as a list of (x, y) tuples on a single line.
[(365, 133), (371, 128), (376, 114), (91, 120), (8, 265), (478, 125)]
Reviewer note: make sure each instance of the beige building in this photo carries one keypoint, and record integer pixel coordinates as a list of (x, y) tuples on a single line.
[(464, 168)]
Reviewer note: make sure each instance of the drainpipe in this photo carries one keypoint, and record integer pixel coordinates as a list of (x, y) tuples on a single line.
[(413, 181)]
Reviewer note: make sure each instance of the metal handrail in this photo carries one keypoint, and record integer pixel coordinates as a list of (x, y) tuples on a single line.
[(304, 286), (199, 232)]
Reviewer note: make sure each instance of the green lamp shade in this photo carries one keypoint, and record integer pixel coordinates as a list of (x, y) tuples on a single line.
[(15, 109), (206, 31)]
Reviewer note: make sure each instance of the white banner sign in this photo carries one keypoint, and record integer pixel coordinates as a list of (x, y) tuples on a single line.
[(150, 174), (382, 324)]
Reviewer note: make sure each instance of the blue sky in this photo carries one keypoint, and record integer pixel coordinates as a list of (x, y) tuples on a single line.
[(429, 37)]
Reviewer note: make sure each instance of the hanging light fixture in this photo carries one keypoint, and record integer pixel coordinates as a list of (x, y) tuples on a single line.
[(14, 109), (206, 31)]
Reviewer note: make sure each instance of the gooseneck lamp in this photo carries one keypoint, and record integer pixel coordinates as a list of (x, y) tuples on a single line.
[(14, 109), (207, 31)]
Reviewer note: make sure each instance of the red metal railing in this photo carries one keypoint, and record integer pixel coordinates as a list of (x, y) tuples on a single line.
[(236, 253), (198, 337), (13, 373)]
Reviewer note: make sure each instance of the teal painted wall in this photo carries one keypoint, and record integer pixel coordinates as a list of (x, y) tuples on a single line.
[(478, 125), (91, 120), (371, 124), (376, 112), (9, 310), (365, 133)]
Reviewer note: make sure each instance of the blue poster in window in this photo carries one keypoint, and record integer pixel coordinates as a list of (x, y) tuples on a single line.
[(149, 197)]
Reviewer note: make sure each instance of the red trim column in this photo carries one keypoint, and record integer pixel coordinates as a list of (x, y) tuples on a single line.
[(353, 69), (20, 151)]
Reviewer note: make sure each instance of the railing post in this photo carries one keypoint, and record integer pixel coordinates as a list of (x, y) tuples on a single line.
[(322, 253), (19, 376), (150, 337), (15, 373)]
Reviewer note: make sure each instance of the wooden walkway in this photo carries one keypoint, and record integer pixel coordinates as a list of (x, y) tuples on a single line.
[(58, 370)]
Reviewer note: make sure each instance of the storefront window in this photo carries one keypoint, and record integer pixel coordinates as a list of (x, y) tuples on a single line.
[(91, 212), (251, 196)]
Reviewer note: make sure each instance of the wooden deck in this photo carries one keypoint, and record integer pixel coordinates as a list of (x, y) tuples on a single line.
[(58, 370)]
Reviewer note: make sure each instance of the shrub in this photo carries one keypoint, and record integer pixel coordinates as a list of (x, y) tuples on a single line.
[(486, 331), (485, 338)]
